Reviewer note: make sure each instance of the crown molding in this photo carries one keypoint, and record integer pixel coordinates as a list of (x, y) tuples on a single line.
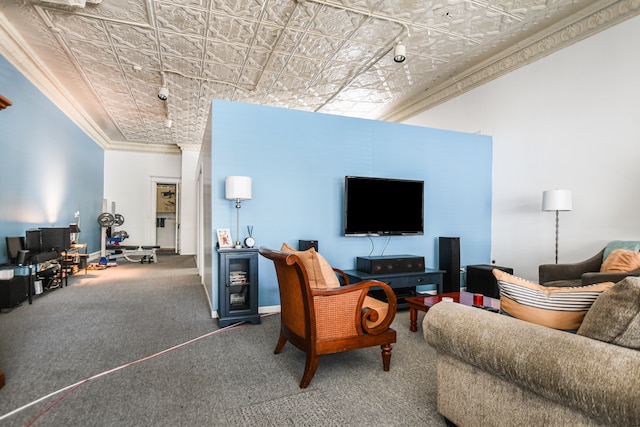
[(142, 147), (600, 16), (190, 147)]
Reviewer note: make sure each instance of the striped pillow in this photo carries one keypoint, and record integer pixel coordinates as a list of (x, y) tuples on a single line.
[(555, 307)]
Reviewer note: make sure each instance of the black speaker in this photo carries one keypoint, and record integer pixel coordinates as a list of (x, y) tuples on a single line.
[(390, 264), (303, 245), (23, 256), (480, 279), (449, 250)]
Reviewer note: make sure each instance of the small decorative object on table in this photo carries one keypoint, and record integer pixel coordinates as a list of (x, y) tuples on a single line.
[(250, 241), (224, 238)]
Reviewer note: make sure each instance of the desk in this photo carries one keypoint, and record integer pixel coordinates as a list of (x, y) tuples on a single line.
[(403, 284)]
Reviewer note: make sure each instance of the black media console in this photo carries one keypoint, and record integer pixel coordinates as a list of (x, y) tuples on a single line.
[(397, 271)]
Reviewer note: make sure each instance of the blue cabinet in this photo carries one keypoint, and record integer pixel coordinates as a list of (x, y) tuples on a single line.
[(238, 286)]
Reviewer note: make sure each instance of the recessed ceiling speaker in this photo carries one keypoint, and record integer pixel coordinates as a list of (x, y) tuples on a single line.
[(163, 93), (399, 53)]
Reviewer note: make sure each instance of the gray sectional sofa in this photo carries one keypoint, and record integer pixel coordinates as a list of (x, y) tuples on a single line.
[(495, 370)]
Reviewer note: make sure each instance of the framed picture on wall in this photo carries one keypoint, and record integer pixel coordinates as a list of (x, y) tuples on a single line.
[(224, 238)]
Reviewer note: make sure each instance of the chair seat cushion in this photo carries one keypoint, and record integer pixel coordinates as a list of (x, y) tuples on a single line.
[(380, 306), (621, 261), (555, 307)]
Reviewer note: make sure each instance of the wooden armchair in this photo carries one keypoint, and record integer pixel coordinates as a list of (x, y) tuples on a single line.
[(326, 321)]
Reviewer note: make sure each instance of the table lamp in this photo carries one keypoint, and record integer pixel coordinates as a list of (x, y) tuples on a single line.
[(238, 188)]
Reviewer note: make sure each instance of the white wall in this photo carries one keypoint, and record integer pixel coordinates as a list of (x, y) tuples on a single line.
[(127, 181), (188, 204), (567, 121)]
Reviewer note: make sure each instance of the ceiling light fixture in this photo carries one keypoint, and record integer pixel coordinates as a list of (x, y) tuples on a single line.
[(167, 123), (400, 53), (163, 93)]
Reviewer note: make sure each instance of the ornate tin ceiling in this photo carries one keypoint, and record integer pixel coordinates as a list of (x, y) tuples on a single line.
[(104, 61)]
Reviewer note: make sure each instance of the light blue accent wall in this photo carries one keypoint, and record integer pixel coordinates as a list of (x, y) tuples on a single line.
[(298, 161), (49, 168)]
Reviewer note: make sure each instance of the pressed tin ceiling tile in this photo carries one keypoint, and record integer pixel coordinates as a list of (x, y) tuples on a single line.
[(328, 56)]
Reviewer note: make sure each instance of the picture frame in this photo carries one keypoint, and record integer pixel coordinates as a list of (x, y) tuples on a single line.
[(224, 238)]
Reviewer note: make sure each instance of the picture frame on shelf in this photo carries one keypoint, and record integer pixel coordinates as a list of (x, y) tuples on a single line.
[(224, 238)]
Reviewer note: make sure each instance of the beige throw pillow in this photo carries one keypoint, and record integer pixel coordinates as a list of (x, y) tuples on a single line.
[(319, 271), (621, 261)]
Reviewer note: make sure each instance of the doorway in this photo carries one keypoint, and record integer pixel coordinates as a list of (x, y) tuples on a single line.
[(166, 214)]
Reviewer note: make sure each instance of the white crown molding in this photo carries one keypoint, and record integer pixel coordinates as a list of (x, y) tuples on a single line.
[(144, 147), (190, 147), (602, 15), (17, 52)]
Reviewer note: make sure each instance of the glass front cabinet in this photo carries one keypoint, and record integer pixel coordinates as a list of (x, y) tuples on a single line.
[(237, 286)]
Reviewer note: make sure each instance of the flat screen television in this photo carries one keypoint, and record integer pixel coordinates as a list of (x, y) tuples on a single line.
[(383, 206), (56, 238)]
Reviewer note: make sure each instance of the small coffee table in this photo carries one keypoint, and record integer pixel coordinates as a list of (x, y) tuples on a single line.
[(425, 303)]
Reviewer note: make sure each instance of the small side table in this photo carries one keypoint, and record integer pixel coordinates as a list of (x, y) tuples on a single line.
[(424, 303)]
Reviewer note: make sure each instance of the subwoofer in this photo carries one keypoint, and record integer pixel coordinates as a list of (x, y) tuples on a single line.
[(449, 261)]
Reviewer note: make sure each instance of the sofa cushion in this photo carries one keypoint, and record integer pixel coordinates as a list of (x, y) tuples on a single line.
[(555, 307), (319, 271), (615, 316), (621, 261)]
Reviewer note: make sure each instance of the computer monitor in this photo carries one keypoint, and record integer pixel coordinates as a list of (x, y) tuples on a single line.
[(56, 238), (34, 241)]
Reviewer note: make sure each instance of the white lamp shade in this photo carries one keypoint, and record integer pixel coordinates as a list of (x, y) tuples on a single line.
[(556, 200), (237, 187)]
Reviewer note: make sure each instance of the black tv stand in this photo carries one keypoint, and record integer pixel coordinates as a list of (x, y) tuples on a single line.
[(403, 283)]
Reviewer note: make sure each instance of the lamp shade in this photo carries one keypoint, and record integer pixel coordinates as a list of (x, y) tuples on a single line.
[(73, 228), (556, 200), (237, 187)]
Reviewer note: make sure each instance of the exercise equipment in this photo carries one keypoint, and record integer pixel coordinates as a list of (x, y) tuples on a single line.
[(134, 253), (105, 219), (112, 240)]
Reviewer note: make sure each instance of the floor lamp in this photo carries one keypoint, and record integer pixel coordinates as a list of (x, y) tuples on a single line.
[(556, 200), (238, 188)]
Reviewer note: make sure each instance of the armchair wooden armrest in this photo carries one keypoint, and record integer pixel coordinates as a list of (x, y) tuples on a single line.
[(346, 307)]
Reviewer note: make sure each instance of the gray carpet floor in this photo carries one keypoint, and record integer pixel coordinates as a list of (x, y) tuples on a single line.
[(176, 368)]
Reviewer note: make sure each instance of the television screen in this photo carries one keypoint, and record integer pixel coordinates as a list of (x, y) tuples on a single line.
[(34, 241), (56, 238), (383, 206)]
